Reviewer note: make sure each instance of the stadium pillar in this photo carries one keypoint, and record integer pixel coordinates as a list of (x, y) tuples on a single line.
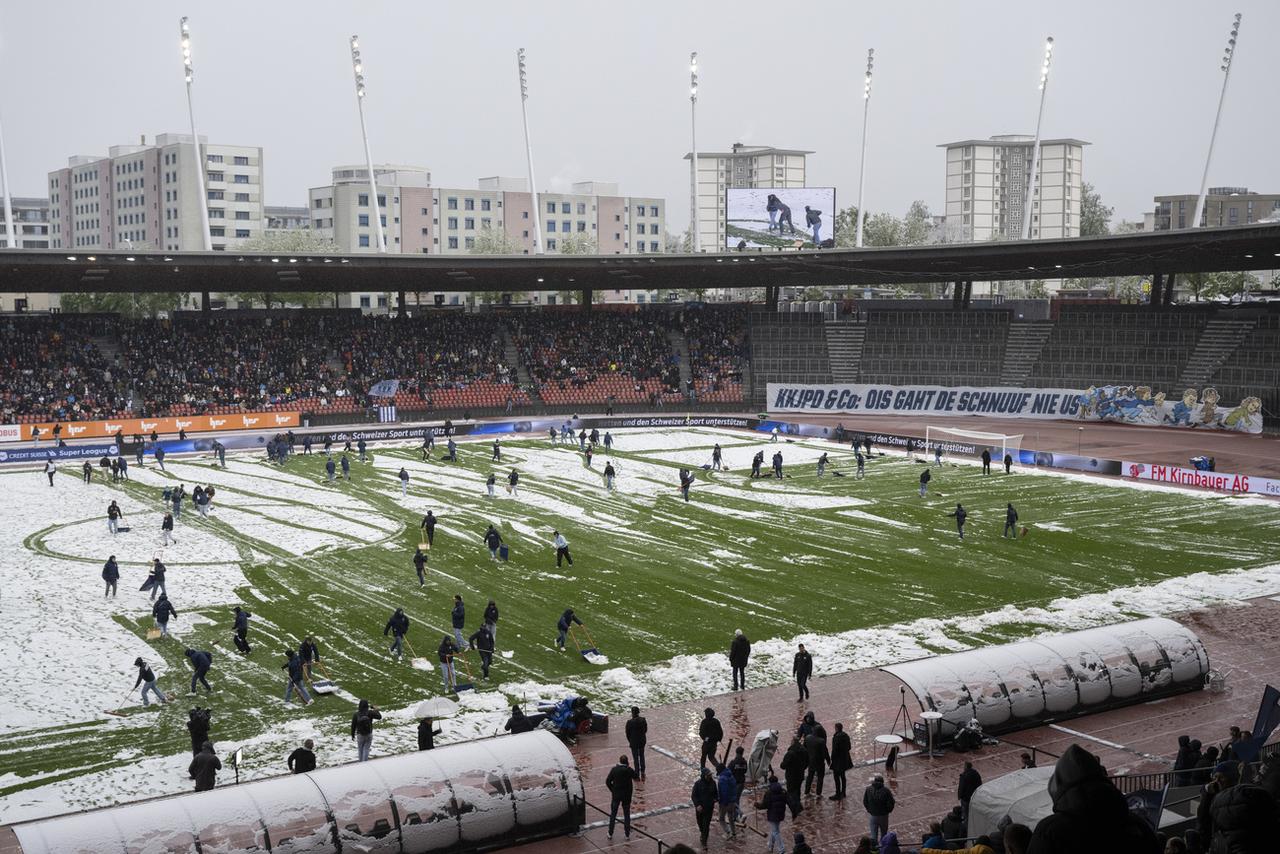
[(400, 303), (1168, 288), (968, 294), (957, 288), (204, 301), (587, 294), (771, 297), (1157, 290)]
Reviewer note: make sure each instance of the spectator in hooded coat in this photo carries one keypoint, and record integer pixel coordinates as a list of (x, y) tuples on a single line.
[(204, 768), (1089, 813), (774, 803), (794, 763), (815, 747), (969, 782), (518, 722), (878, 801), (739, 653), (303, 759), (704, 796)]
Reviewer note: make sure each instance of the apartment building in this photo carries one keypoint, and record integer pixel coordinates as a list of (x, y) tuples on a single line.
[(1222, 206)]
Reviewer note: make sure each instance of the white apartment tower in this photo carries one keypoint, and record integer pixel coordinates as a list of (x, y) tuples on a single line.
[(987, 187), (147, 197), (744, 166)]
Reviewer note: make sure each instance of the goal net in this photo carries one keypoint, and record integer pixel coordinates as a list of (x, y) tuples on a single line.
[(953, 439)]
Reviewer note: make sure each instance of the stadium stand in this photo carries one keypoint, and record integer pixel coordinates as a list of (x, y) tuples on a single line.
[(934, 347), (719, 354), (787, 348)]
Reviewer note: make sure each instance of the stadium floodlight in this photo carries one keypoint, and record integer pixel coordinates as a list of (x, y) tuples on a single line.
[(862, 167), (184, 27), (693, 154), (1227, 56), (10, 228), (1033, 163), (357, 69), (523, 72)]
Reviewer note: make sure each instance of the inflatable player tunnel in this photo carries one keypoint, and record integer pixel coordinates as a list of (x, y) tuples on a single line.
[(465, 797), (1029, 683)]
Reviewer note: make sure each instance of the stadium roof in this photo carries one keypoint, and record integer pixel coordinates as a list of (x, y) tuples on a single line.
[(1254, 247)]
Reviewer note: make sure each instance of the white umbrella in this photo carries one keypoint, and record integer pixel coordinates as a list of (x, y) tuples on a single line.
[(436, 707)]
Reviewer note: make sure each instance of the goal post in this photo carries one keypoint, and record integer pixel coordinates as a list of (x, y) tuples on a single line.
[(1004, 443)]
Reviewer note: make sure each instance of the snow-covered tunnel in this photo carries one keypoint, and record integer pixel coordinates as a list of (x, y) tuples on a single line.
[(462, 797), (1028, 683)]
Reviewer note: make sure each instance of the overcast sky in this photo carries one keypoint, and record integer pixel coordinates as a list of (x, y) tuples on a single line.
[(609, 88)]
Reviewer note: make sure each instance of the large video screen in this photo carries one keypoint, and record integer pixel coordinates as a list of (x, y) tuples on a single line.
[(798, 218)]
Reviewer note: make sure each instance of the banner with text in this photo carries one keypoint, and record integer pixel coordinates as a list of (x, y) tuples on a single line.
[(163, 426), (10, 432), (1204, 479), (932, 400), (28, 454), (1138, 405)]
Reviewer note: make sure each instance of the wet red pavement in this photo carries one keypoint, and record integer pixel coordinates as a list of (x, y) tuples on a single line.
[(1244, 640), (1235, 453)]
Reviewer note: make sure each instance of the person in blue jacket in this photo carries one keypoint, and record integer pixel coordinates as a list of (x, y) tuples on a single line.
[(493, 540), (201, 661), (294, 666), (566, 619), (346, 467), (1010, 522), (330, 469), (959, 515), (727, 796), (242, 630), (111, 575)]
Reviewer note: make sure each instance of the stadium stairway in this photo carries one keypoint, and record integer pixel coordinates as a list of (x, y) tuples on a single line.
[(1217, 342), (680, 347), (1022, 350), (844, 347), (512, 357)]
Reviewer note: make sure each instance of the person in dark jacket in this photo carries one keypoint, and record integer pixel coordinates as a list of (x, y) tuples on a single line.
[(739, 653), (111, 575), (296, 680), (482, 641), (493, 540), (303, 759), (329, 469), (794, 763), (960, 514), (166, 530), (513, 484), (362, 728), (704, 795), (815, 747), (242, 630), (429, 526), (198, 728), (841, 761), (953, 823), (986, 461), (491, 619), (201, 661), (1089, 813), (1245, 819), (1192, 760), (756, 462), (925, 477), (774, 803), (802, 669), (147, 679), (711, 734), (637, 731), (566, 619), (1010, 522), (739, 766), (1008, 463), (621, 786), (1204, 768), (204, 768), (445, 653), (813, 221), (518, 722), (308, 654), (878, 801), (157, 578), (686, 481), (969, 782), (427, 734), (398, 627), (161, 611), (420, 566), (345, 463), (458, 619), (801, 847)]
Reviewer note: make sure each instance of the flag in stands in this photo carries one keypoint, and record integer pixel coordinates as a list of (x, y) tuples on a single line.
[(386, 414), (386, 388)]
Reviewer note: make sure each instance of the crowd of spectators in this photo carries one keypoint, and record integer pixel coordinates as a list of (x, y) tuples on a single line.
[(599, 357), (325, 362), (718, 351), (53, 368)]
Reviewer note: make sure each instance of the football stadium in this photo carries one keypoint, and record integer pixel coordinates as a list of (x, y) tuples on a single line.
[(325, 544)]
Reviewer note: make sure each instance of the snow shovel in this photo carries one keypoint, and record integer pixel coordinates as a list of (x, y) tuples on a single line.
[(415, 661), (325, 685), (116, 712), (424, 547), (458, 685), (153, 633), (587, 652)]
